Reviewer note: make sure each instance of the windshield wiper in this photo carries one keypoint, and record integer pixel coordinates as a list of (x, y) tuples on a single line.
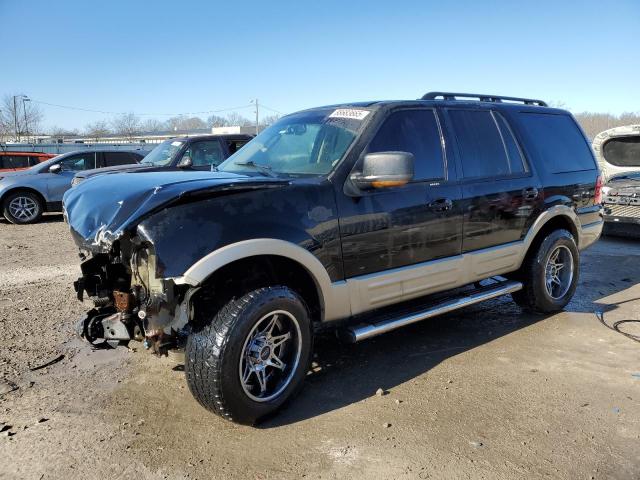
[(266, 169)]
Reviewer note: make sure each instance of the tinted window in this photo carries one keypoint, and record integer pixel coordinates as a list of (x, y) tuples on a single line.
[(205, 154), (417, 132), (16, 161), (119, 158), (481, 146), (623, 151), (558, 141), (79, 162), (235, 145), (516, 160)]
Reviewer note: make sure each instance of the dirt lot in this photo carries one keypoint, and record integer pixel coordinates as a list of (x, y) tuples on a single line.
[(484, 393)]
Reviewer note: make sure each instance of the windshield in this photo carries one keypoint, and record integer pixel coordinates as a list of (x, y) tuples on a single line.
[(163, 154), (302, 144)]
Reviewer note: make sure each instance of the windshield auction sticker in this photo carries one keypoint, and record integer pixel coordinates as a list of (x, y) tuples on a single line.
[(349, 113)]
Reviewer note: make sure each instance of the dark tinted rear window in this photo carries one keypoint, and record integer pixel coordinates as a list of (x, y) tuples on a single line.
[(559, 142), (623, 151), (481, 147), (119, 158)]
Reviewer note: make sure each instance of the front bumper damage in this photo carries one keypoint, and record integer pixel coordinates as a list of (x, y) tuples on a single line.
[(130, 302)]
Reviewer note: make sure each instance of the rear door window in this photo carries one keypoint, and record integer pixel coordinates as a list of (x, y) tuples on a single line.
[(417, 132), (482, 150), (622, 151), (119, 158), (558, 141)]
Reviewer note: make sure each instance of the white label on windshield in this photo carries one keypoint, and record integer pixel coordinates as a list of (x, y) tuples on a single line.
[(176, 144), (349, 113)]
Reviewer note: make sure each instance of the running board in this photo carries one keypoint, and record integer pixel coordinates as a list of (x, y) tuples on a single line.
[(361, 332)]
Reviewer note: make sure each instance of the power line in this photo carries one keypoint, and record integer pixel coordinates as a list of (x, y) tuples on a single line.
[(68, 107), (272, 109)]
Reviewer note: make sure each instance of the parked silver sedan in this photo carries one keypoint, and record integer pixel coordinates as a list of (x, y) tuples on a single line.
[(25, 195)]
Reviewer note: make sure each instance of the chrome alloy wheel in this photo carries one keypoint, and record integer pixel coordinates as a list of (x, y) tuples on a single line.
[(270, 356), (23, 208), (559, 272)]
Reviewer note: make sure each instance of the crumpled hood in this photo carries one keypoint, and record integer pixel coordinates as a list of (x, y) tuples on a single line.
[(101, 209)]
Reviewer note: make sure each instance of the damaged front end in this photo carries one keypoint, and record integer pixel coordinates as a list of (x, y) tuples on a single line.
[(130, 302)]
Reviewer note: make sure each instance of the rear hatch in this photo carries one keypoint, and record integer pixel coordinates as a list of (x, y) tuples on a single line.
[(618, 150)]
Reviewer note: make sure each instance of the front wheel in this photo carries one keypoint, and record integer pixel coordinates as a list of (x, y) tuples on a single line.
[(22, 208), (550, 274), (252, 356)]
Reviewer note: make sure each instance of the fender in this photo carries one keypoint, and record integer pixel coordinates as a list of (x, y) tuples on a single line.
[(334, 296)]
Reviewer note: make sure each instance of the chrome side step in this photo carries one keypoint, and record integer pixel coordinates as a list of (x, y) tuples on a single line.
[(361, 332)]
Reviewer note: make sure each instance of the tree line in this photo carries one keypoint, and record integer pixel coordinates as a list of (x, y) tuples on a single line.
[(26, 118)]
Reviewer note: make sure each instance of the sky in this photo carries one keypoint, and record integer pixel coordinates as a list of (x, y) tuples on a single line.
[(190, 56)]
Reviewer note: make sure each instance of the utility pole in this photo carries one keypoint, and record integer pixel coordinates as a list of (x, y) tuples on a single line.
[(257, 118), (15, 118), (24, 109)]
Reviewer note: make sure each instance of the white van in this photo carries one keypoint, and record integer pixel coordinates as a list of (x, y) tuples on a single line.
[(618, 150)]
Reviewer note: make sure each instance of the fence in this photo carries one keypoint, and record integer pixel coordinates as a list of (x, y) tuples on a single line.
[(58, 148)]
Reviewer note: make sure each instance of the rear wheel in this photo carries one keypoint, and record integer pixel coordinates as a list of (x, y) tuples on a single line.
[(22, 207), (550, 274), (252, 356)]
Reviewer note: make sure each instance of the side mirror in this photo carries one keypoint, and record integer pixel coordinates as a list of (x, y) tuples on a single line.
[(185, 162), (384, 170), (57, 168)]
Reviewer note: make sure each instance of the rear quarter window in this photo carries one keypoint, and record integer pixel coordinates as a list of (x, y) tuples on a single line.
[(560, 144)]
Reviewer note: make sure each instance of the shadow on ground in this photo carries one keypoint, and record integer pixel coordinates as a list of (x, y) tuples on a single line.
[(345, 374), (46, 218)]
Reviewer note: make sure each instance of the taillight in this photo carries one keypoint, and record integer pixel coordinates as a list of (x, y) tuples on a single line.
[(597, 198)]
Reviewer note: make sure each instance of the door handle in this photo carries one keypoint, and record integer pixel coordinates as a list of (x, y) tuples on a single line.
[(530, 193), (441, 205)]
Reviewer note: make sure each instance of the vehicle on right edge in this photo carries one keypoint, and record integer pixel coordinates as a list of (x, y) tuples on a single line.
[(618, 153), (360, 217)]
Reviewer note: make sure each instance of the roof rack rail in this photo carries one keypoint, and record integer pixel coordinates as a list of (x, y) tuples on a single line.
[(482, 97)]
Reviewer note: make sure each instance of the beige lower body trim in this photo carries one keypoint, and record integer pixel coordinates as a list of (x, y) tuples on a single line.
[(392, 286)]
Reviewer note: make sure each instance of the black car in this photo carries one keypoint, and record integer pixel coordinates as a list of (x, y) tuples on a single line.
[(202, 152), (362, 217)]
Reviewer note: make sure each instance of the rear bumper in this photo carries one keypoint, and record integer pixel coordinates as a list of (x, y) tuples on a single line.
[(590, 233)]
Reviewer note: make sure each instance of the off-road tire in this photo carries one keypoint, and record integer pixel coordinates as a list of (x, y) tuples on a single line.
[(213, 354), (31, 196), (533, 296)]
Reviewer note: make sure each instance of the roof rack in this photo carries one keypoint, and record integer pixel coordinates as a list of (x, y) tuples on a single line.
[(482, 97)]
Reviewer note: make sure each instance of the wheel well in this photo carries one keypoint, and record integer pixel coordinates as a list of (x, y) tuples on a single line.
[(24, 189), (559, 222), (241, 276)]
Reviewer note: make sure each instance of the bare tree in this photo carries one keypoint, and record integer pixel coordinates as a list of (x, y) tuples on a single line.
[(97, 129), (61, 132), (128, 125), (593, 123), (269, 120), (235, 119), (20, 117), (152, 125), (185, 123), (217, 121)]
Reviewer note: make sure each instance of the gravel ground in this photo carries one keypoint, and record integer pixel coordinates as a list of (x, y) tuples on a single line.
[(487, 392)]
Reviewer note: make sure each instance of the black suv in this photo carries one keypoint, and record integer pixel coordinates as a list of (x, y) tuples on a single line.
[(363, 217), (202, 152)]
